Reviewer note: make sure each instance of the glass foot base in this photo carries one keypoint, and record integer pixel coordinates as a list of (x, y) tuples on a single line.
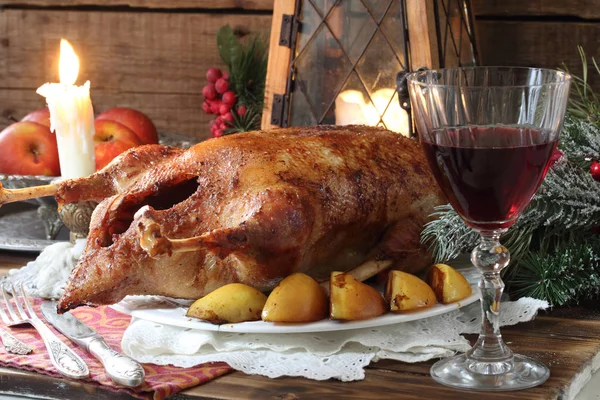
[(458, 372)]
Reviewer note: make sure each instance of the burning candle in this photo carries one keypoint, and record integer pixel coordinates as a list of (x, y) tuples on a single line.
[(71, 116), (351, 108)]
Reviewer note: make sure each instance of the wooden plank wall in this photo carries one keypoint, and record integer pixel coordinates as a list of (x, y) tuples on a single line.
[(543, 33), (148, 54)]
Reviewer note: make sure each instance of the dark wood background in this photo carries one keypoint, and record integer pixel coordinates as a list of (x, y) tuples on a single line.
[(153, 54), (542, 33)]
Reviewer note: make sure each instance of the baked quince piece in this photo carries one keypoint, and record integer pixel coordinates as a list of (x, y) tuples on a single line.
[(407, 292), (234, 302), (297, 298), (352, 299), (448, 284)]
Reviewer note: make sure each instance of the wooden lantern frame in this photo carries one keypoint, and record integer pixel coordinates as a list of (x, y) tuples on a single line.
[(422, 37)]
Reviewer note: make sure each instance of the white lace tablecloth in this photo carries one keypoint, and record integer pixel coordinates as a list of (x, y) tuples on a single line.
[(341, 354)]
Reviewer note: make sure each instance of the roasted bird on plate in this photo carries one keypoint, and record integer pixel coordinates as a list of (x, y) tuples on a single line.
[(251, 208)]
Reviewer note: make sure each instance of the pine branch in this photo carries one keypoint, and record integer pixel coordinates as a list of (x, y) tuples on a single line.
[(568, 199), (583, 102), (447, 235), (570, 274), (580, 141), (248, 73)]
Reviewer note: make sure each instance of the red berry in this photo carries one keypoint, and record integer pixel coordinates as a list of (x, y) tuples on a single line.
[(227, 117), (206, 107), (241, 111), (213, 74), (209, 92), (221, 85), (215, 106), (224, 108), (225, 76), (229, 98), (595, 170)]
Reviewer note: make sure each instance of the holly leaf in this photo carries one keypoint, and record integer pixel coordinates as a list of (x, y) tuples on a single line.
[(229, 46)]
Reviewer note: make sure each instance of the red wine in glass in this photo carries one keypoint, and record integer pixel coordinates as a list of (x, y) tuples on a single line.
[(489, 173)]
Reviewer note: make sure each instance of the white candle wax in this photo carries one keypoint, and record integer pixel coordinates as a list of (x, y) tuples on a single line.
[(71, 118)]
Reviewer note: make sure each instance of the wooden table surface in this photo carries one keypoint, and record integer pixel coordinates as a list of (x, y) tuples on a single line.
[(566, 339)]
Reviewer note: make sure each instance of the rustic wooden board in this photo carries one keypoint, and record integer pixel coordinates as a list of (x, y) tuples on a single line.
[(172, 4), (566, 345), (541, 44), (536, 8), (153, 61)]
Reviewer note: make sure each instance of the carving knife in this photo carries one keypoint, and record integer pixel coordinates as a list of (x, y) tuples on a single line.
[(122, 369)]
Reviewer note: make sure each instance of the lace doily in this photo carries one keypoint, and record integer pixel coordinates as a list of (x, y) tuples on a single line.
[(342, 355)]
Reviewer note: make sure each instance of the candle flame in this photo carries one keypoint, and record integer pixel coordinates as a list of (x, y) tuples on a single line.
[(68, 64)]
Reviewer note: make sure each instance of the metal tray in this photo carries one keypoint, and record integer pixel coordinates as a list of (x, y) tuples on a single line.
[(21, 228)]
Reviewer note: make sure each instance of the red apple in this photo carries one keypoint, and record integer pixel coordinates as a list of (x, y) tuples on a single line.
[(41, 116), (110, 140), (135, 120), (28, 148)]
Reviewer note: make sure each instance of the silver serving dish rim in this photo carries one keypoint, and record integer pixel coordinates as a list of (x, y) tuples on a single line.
[(40, 178)]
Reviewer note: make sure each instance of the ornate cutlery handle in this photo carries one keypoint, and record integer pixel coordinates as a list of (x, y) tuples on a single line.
[(120, 368), (14, 345), (63, 358)]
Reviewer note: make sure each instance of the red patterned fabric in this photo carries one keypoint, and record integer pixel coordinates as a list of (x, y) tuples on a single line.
[(161, 381)]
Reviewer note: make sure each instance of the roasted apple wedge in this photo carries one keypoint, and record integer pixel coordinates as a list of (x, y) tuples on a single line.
[(406, 292), (350, 299)]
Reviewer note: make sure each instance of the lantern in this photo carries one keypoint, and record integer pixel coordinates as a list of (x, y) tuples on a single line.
[(343, 61)]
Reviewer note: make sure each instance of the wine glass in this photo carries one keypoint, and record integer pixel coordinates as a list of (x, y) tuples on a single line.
[(488, 134)]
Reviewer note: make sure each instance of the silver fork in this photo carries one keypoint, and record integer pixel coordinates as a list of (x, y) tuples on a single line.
[(63, 358), (11, 343)]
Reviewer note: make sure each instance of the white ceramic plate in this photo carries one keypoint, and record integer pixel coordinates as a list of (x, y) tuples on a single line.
[(167, 312)]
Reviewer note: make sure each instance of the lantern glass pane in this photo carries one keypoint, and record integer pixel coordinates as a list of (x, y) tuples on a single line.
[(353, 105), (378, 8), (300, 110), (321, 70), (323, 6), (457, 36), (391, 28), (355, 46), (352, 25), (310, 21), (378, 67)]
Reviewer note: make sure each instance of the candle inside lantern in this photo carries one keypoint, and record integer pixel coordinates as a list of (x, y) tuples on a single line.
[(71, 117), (351, 108)]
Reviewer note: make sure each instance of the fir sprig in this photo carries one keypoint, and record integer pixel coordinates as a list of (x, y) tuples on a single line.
[(583, 102), (247, 64), (570, 273)]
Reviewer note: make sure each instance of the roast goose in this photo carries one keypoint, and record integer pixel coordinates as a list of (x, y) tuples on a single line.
[(253, 208)]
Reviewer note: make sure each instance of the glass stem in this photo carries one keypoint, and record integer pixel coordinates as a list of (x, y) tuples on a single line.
[(490, 355)]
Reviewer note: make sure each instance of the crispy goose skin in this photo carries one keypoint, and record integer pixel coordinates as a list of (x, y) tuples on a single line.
[(251, 208)]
